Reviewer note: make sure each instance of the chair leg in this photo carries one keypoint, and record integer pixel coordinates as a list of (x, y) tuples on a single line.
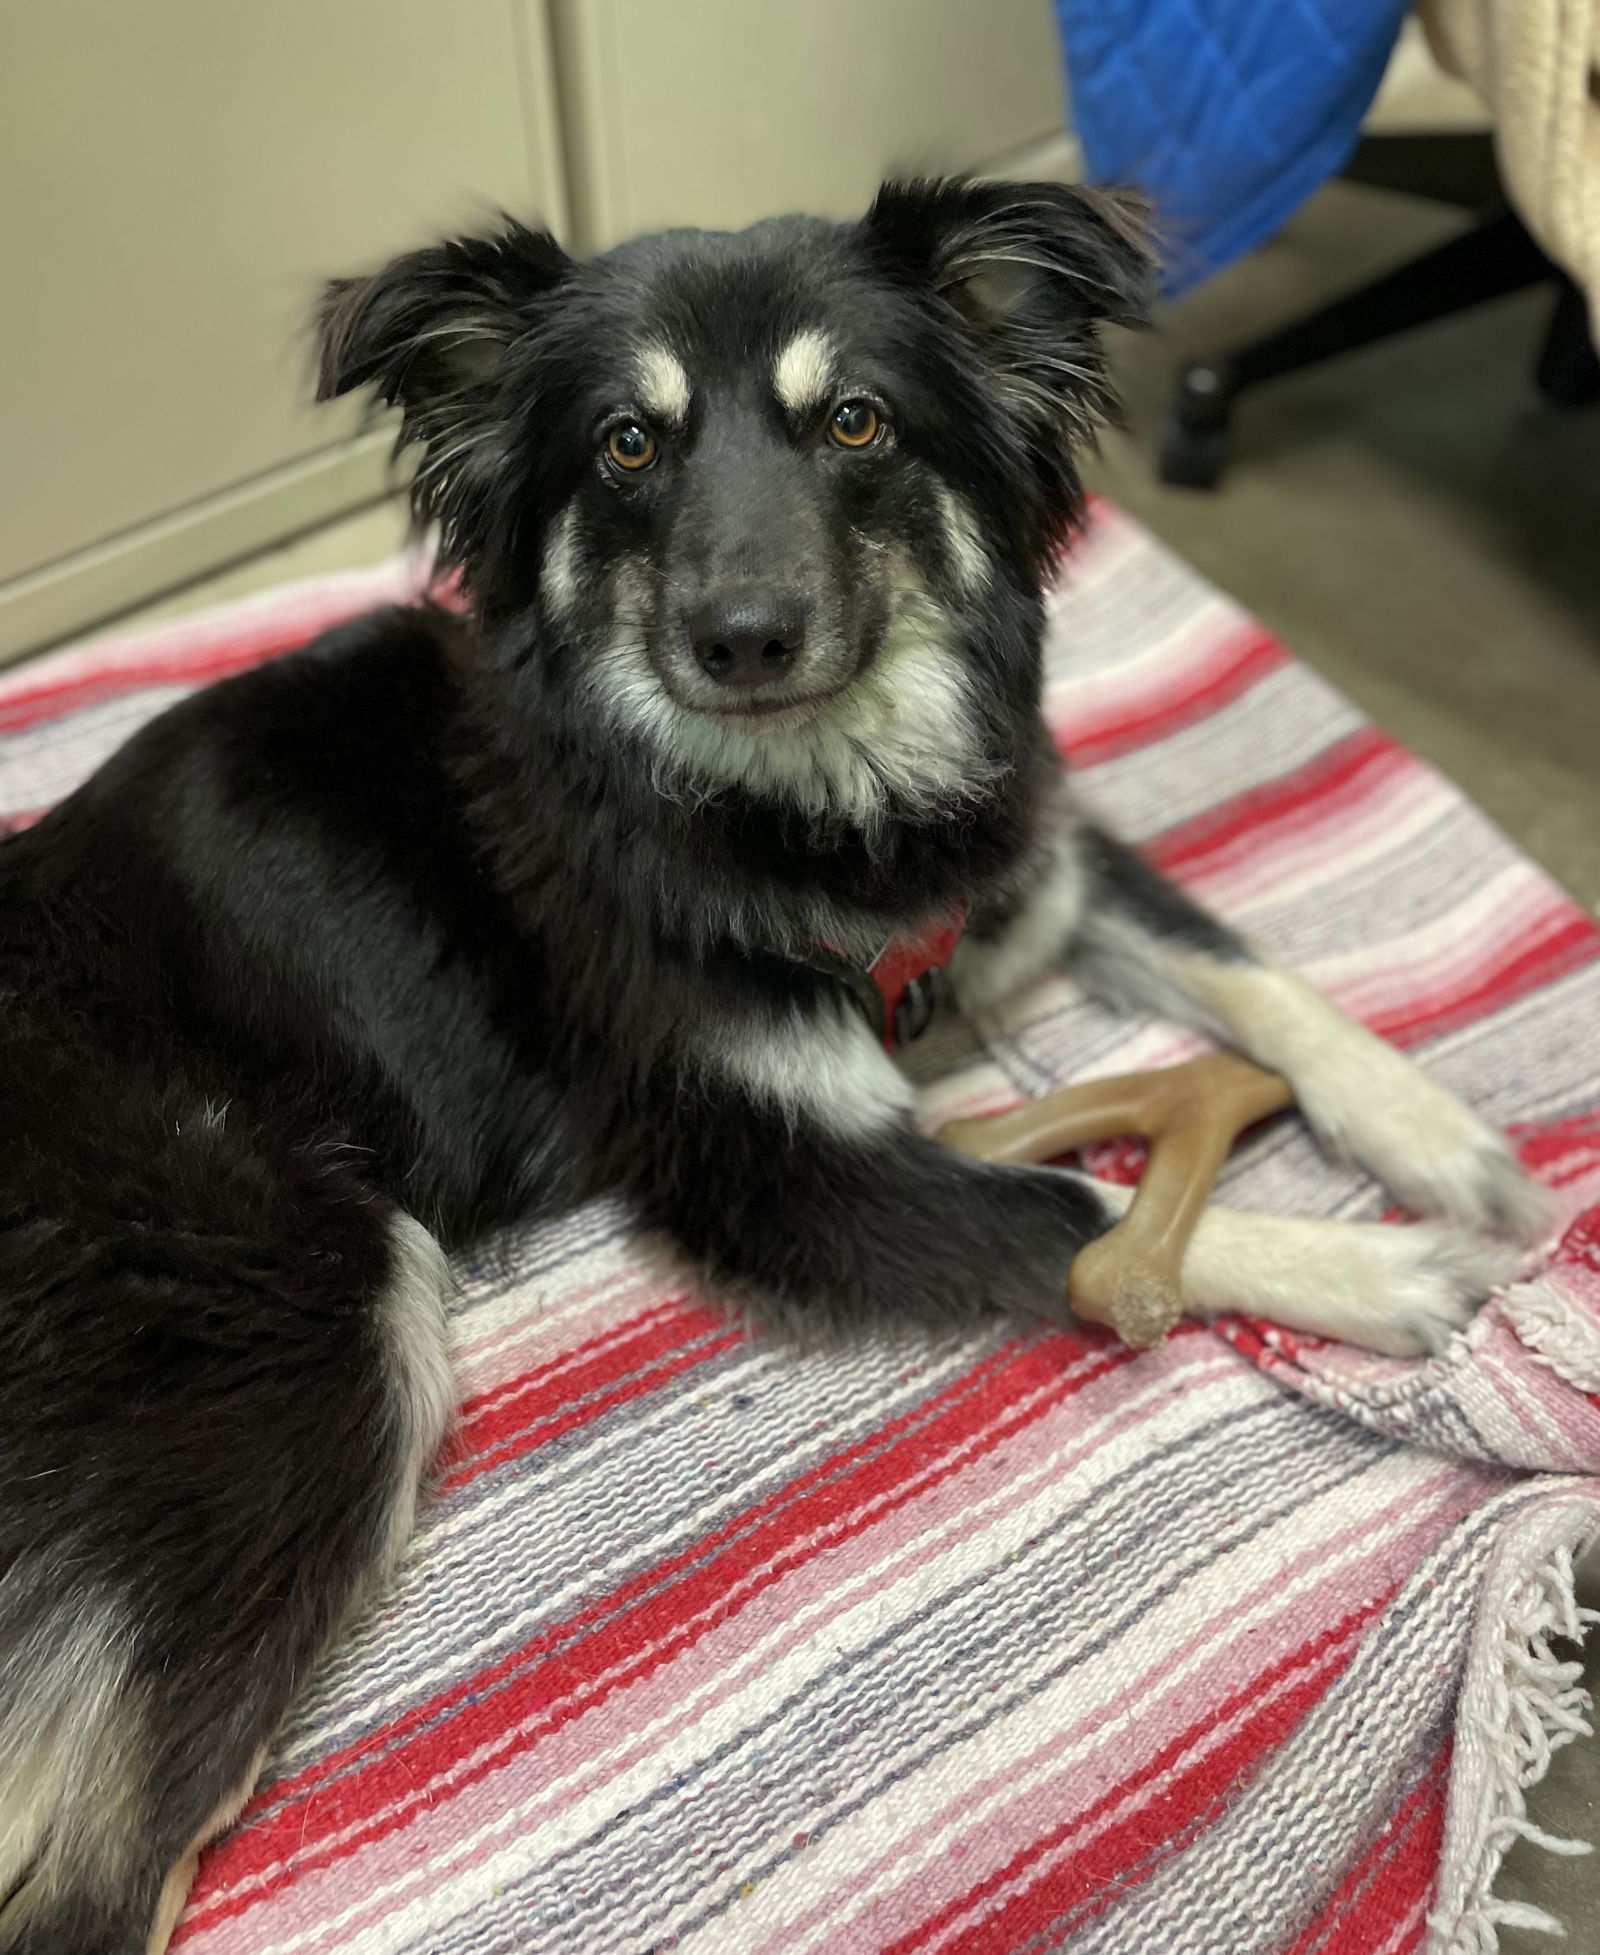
[(1568, 373), (1494, 258)]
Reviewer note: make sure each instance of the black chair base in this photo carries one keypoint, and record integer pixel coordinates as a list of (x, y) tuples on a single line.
[(1496, 257)]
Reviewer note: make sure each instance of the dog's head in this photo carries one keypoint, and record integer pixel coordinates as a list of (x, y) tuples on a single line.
[(756, 500)]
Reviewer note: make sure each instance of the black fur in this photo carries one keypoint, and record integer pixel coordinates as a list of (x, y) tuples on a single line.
[(1124, 884), (418, 920)]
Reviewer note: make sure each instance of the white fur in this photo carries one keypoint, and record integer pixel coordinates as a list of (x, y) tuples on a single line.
[(1402, 1291), (559, 580), (1368, 1103), (72, 1747), (984, 973), (416, 1336), (663, 384), (963, 543), (823, 1066), (903, 730), (803, 373)]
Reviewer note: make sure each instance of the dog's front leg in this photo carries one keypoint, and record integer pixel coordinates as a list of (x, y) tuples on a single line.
[(1136, 941), (781, 1156), (779, 1151)]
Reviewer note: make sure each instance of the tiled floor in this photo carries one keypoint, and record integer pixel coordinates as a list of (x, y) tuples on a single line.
[(1415, 523)]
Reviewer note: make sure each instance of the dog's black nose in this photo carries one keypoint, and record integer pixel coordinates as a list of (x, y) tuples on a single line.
[(748, 637)]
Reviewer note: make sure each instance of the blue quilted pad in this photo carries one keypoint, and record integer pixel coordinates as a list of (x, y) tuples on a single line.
[(1228, 113)]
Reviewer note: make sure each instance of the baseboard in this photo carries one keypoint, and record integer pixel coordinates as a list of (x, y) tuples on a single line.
[(93, 585)]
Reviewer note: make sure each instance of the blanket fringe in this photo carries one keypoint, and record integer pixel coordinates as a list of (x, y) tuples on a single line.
[(1558, 1334), (1520, 1708)]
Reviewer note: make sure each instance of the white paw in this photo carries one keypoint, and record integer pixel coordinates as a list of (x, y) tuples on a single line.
[(1404, 1291), (1371, 1105)]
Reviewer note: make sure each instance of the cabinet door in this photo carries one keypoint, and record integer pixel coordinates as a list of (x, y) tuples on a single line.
[(716, 112), (176, 178)]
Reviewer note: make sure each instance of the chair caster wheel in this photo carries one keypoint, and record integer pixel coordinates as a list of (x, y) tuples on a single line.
[(1191, 458), (1194, 437)]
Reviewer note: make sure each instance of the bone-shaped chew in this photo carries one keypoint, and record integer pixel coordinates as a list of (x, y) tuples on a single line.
[(1190, 1115)]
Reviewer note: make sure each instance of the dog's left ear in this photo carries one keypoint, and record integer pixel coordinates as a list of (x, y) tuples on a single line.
[(1029, 269), (1009, 254)]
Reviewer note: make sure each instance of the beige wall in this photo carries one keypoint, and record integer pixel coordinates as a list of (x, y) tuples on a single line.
[(178, 176)]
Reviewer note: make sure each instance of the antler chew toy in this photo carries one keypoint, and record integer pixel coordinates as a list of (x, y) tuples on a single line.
[(1190, 1115)]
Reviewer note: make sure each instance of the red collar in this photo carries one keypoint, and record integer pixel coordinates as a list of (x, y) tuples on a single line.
[(899, 988)]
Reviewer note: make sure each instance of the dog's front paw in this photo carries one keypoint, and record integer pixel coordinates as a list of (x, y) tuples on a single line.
[(1374, 1107), (1429, 1283), (1404, 1291)]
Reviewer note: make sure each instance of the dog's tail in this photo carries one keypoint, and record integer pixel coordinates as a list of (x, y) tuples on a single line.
[(233, 1485)]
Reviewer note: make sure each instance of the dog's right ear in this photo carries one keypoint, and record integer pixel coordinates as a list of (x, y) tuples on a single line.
[(436, 322), (429, 334)]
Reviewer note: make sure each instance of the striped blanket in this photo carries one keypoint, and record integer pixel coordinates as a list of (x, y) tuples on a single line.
[(1010, 1642)]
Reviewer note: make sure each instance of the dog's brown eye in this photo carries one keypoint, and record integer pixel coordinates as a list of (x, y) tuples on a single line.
[(631, 446), (854, 425)]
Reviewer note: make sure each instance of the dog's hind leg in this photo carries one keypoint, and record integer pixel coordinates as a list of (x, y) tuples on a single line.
[(1141, 944), (214, 1426), (175, 1889)]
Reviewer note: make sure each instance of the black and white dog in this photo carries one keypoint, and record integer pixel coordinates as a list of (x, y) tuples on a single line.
[(448, 922)]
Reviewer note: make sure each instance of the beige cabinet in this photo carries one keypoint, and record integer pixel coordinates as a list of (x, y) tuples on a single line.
[(178, 176), (717, 112), (176, 179)]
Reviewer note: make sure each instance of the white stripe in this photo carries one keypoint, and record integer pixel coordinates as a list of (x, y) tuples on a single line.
[(1274, 867), (1161, 1653), (493, 1527), (1257, 738), (311, 601), (727, 1710)]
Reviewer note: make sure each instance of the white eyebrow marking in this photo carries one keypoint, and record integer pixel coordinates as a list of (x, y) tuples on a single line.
[(802, 374), (663, 385)]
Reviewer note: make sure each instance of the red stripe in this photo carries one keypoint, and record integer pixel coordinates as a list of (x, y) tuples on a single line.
[(1342, 772), (229, 645), (542, 1407), (193, 669), (1561, 1150), (1181, 1800), (1196, 692), (1579, 1248), (1392, 1880), (629, 1633), (1568, 943), (571, 1363)]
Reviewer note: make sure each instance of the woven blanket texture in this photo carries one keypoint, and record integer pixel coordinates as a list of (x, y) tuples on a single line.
[(1007, 1643)]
